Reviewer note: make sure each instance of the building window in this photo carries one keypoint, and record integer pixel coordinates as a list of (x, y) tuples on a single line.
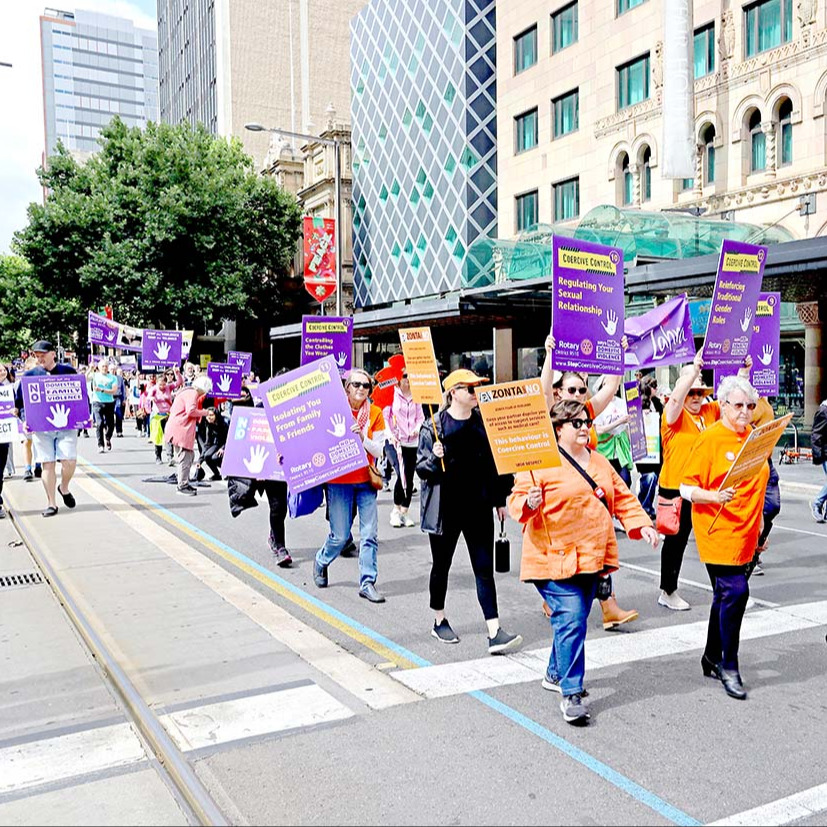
[(646, 178), (633, 82), (526, 131), (768, 24), (526, 210), (758, 143), (525, 50), (563, 28), (628, 181), (566, 199), (566, 113), (708, 141), (704, 45), (687, 184), (785, 129), (625, 5)]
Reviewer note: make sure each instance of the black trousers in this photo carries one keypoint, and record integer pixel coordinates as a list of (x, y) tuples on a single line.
[(276, 492), (104, 413), (674, 545), (209, 458), (402, 496), (4, 456), (730, 591), (476, 525)]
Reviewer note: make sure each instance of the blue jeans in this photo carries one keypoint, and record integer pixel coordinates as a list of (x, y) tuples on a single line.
[(821, 499), (730, 592), (570, 602), (340, 499), (648, 490)]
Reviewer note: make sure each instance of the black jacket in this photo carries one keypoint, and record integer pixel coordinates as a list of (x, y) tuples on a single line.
[(495, 488), (211, 436), (818, 440)]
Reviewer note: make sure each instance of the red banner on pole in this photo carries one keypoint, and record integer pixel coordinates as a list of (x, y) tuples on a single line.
[(319, 257)]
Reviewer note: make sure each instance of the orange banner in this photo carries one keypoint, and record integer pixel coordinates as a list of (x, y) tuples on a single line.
[(518, 426), (420, 362), (755, 451)]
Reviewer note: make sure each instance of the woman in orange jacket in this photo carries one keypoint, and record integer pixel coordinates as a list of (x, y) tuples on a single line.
[(727, 524), (569, 542)]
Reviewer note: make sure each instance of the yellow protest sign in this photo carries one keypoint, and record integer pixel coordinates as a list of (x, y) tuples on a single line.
[(518, 426), (755, 451), (420, 362), (205, 359)]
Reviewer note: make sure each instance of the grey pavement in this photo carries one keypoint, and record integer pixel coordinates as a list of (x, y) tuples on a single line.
[(665, 745)]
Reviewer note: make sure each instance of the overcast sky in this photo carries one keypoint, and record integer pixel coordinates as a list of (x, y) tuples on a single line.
[(21, 98)]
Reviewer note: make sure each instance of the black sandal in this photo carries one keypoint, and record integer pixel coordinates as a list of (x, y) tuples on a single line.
[(50, 511), (68, 499)]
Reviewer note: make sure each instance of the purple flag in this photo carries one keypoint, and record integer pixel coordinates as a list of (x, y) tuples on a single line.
[(637, 434), (764, 348), (239, 357), (587, 315), (328, 336), (310, 419), (103, 331), (55, 403), (250, 450), (161, 348), (226, 379), (737, 286), (661, 337)]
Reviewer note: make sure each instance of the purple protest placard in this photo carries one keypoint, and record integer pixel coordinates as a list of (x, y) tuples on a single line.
[(764, 348), (328, 336), (226, 379), (737, 286), (661, 337), (587, 315), (250, 450), (103, 331), (637, 434), (55, 403), (161, 348), (239, 357), (8, 421), (311, 419)]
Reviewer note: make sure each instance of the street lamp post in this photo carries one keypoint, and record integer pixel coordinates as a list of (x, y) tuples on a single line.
[(337, 191)]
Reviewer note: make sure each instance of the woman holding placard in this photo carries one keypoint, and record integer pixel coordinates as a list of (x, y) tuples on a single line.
[(727, 524), (569, 543)]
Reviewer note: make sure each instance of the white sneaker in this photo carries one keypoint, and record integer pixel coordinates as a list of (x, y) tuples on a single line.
[(407, 521), (396, 519), (673, 601)]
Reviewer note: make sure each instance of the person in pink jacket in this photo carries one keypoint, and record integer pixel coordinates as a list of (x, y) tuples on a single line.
[(184, 415)]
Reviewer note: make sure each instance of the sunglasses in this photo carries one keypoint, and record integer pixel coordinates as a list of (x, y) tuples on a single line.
[(468, 388), (578, 423), (365, 385), (739, 406), (578, 391), (696, 394)]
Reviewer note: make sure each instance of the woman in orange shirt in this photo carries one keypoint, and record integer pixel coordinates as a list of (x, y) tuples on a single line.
[(569, 543), (727, 546)]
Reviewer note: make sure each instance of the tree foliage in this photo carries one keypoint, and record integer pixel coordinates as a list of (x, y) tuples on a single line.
[(170, 225)]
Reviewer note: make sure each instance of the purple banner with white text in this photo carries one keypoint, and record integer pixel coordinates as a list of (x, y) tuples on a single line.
[(8, 421), (311, 421), (55, 403), (226, 379), (734, 302), (324, 336), (661, 337), (637, 434), (587, 306), (161, 348), (250, 450), (241, 358)]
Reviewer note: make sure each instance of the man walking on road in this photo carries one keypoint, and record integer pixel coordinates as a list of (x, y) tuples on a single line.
[(819, 444), (53, 446)]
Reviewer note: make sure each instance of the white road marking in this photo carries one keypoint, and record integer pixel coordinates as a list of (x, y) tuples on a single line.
[(66, 756), (485, 673), (783, 811), (800, 531), (223, 721)]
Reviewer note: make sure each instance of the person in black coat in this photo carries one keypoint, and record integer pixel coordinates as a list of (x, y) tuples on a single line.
[(818, 442), (460, 490), (211, 433)]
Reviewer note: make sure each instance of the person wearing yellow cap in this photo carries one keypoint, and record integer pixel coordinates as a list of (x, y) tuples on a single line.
[(460, 492)]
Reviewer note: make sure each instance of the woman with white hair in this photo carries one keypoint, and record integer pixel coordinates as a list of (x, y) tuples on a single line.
[(187, 410), (727, 546)]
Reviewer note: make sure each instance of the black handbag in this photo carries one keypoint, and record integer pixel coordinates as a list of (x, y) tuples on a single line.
[(502, 551)]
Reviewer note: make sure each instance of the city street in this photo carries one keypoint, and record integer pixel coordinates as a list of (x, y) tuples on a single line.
[(300, 705)]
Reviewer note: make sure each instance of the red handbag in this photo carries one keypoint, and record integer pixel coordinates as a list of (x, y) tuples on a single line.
[(668, 518)]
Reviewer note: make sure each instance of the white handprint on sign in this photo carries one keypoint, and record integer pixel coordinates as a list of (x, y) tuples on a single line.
[(610, 325), (224, 383), (338, 423), (341, 359), (60, 416), (110, 336), (162, 351), (746, 321), (765, 357), (258, 456)]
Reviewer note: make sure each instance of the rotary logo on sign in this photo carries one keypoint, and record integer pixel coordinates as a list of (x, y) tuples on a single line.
[(726, 346), (586, 347), (319, 459)]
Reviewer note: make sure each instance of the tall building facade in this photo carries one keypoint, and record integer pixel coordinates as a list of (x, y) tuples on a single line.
[(424, 142), (95, 66), (281, 63), (580, 112)]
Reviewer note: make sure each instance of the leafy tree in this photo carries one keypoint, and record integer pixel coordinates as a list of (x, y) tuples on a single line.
[(169, 225)]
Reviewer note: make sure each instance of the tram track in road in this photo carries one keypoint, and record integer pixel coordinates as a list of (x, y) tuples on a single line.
[(172, 764)]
